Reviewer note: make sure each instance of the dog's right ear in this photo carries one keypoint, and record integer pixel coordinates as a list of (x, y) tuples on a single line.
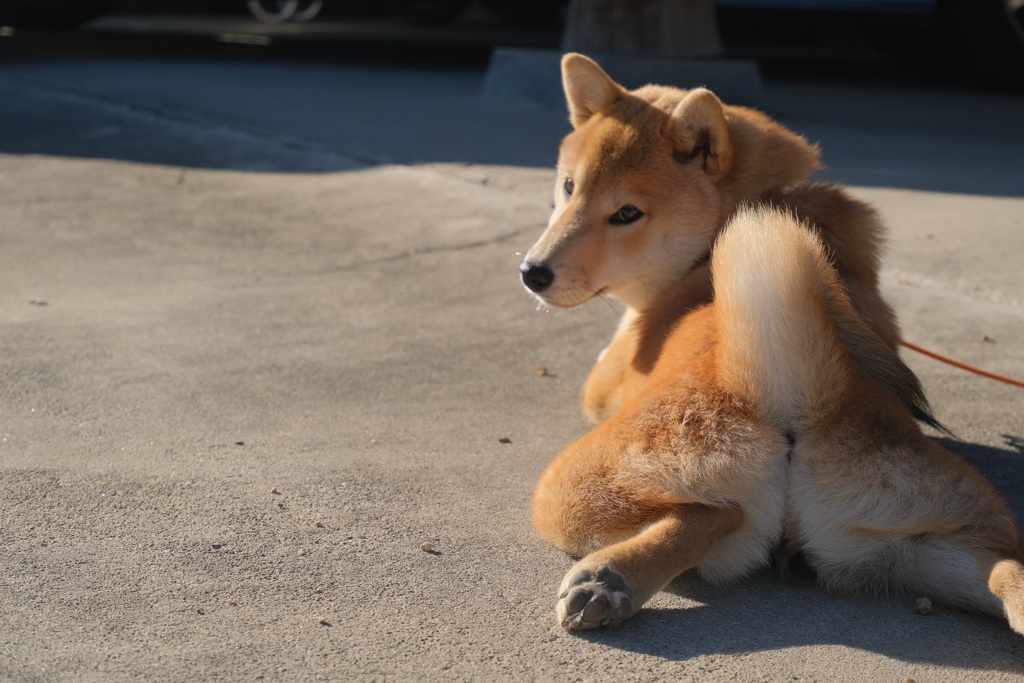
[(588, 89), (699, 128)]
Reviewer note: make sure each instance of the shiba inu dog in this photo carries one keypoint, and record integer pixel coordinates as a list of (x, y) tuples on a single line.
[(751, 402)]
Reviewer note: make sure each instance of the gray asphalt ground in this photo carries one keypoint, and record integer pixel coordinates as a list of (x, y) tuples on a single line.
[(262, 336)]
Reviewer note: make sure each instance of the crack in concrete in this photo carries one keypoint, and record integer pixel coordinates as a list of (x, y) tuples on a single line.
[(423, 251)]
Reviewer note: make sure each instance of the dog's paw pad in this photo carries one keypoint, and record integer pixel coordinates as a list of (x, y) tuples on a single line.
[(592, 599)]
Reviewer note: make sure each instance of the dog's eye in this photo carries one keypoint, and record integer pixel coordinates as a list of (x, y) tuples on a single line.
[(626, 215), (568, 186)]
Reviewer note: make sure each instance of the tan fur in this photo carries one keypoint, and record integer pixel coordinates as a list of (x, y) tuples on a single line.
[(753, 399), (647, 148)]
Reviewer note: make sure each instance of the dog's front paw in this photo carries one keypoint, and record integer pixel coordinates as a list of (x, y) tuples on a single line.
[(595, 597)]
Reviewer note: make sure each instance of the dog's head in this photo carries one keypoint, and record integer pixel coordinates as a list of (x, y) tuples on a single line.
[(645, 181)]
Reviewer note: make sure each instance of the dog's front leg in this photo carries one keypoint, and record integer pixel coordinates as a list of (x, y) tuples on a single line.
[(611, 584), (604, 390)]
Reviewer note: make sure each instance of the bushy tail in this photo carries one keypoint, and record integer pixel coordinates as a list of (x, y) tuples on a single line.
[(789, 336)]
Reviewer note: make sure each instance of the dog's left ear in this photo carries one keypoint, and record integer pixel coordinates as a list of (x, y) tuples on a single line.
[(588, 89), (700, 132)]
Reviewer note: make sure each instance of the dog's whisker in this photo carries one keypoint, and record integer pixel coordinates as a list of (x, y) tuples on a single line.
[(650, 289), (611, 304)]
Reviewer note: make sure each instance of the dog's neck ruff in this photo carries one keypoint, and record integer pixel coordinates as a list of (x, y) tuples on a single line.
[(650, 300)]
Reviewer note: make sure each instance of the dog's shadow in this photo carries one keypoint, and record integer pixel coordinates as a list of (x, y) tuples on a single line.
[(767, 612), (1004, 468)]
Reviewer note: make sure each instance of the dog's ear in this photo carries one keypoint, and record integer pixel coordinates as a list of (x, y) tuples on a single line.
[(700, 133), (588, 89)]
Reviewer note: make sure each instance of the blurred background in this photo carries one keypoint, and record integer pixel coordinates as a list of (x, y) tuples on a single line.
[(975, 43)]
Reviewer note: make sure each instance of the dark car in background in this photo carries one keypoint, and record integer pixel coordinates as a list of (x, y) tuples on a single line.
[(987, 34)]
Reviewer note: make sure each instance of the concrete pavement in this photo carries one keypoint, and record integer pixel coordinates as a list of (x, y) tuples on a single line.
[(261, 337)]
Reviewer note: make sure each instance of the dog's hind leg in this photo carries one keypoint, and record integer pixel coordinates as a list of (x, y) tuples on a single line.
[(1006, 581), (627, 512), (611, 584), (951, 569), (921, 524)]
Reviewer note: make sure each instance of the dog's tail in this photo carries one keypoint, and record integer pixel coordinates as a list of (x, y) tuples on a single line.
[(789, 337)]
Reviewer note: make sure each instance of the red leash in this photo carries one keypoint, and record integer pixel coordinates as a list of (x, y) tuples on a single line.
[(963, 366)]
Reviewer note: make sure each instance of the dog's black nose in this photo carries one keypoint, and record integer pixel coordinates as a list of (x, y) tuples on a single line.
[(536, 277)]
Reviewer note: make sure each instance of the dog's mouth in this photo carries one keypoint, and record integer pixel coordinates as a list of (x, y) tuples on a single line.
[(570, 298)]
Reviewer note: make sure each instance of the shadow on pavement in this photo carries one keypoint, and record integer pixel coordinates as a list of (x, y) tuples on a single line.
[(1004, 468), (764, 617), (391, 95), (768, 613)]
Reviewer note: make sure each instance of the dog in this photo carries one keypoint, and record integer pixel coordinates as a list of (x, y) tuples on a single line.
[(751, 403)]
